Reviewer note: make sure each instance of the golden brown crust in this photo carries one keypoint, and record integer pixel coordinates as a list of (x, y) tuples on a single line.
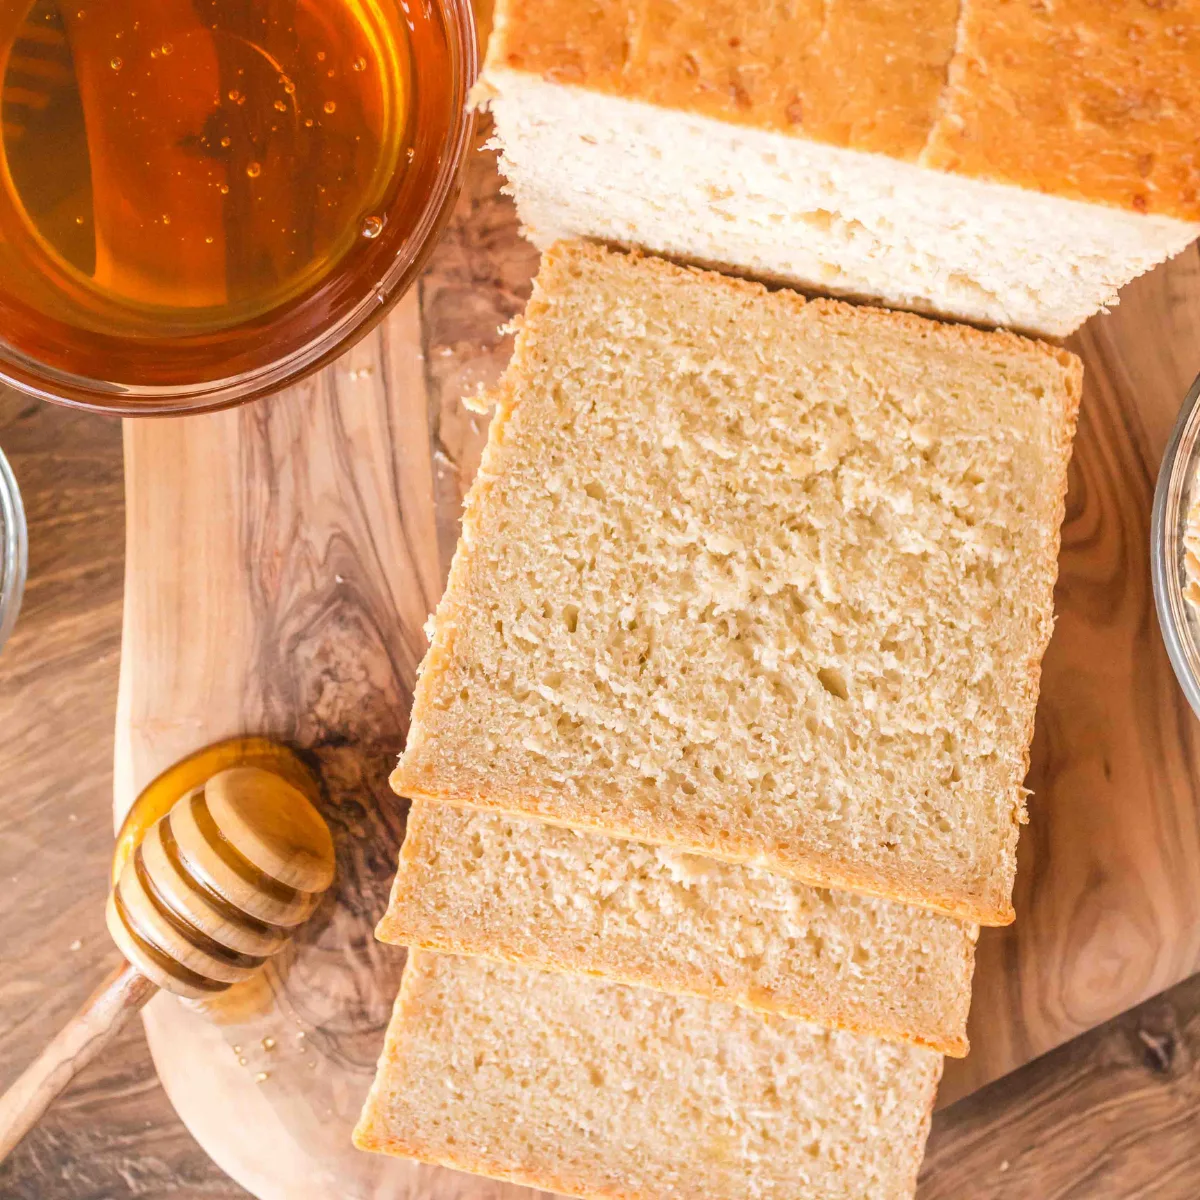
[(1089, 101), (1081, 100), (864, 76)]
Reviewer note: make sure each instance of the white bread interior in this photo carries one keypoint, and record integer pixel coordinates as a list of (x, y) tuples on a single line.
[(588, 164)]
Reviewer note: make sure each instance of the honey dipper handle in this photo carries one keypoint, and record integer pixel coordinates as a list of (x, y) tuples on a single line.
[(88, 1032)]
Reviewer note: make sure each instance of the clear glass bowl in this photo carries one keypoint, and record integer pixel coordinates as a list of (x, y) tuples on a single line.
[(12, 549), (1177, 490), (173, 375)]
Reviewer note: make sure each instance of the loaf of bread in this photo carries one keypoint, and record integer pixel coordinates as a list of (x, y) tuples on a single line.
[(762, 579), (593, 1089), (522, 891), (1000, 161)]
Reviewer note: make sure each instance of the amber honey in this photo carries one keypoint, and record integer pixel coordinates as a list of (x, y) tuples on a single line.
[(193, 191), (161, 794), (249, 996)]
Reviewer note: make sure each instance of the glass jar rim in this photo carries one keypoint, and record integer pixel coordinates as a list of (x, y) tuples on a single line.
[(37, 379), (14, 549), (1176, 479)]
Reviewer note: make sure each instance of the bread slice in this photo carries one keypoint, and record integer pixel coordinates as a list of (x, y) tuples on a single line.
[(593, 1089), (998, 162), (525, 892), (763, 579)]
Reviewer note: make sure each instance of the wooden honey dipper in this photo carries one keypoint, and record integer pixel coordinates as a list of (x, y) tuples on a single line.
[(214, 889)]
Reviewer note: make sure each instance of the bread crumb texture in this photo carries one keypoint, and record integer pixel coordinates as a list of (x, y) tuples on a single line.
[(757, 578), (522, 891), (596, 1090)]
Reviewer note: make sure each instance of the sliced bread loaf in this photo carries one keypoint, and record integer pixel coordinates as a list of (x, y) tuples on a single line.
[(1000, 162), (592, 1089), (763, 579), (526, 892)]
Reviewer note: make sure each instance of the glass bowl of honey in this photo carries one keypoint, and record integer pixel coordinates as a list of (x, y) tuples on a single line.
[(12, 549), (203, 200)]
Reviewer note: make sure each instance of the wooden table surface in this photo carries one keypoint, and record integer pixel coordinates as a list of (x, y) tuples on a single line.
[(1115, 1113)]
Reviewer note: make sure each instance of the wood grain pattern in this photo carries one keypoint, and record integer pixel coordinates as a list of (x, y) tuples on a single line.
[(88, 1034), (1114, 1115), (114, 1133)]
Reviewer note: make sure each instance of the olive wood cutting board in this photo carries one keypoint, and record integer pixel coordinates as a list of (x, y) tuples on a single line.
[(282, 559)]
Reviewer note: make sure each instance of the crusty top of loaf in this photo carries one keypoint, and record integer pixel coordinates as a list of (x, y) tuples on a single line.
[(1089, 101)]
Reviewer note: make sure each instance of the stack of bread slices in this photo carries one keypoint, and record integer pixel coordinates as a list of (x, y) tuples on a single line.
[(717, 754)]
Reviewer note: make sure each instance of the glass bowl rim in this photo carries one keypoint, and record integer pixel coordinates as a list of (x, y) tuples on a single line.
[(14, 549), (33, 378), (1181, 458)]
